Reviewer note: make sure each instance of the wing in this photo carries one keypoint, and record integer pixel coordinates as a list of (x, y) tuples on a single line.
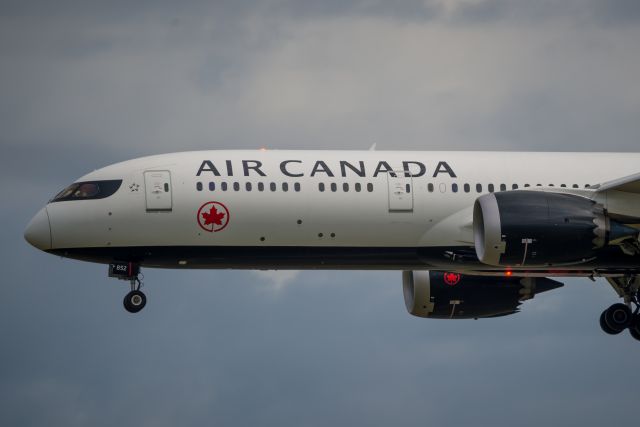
[(628, 184)]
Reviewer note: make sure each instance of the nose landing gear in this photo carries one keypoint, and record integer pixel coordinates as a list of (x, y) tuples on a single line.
[(135, 300)]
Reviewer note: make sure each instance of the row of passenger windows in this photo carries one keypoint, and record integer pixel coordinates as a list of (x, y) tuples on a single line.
[(491, 188), (357, 187), (285, 186), (248, 186)]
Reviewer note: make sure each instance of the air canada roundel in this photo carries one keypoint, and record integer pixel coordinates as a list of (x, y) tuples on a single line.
[(213, 217), (452, 279)]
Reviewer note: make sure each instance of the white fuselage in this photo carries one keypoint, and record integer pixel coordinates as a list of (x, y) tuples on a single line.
[(333, 199)]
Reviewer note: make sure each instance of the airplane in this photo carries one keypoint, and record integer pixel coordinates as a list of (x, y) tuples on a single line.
[(475, 234)]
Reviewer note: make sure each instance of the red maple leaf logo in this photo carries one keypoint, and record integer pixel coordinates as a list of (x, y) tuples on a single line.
[(213, 217), (452, 279)]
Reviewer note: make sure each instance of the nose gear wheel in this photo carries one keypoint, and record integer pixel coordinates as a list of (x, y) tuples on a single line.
[(134, 301)]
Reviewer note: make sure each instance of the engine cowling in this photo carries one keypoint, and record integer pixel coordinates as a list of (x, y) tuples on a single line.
[(535, 229), (440, 295)]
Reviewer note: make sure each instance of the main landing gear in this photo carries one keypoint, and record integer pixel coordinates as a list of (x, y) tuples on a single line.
[(135, 300), (619, 317)]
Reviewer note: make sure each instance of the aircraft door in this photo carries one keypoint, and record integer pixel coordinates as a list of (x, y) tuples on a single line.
[(400, 192), (158, 190)]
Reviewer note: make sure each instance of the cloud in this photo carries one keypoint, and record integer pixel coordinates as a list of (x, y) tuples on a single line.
[(312, 79), (85, 84), (278, 278)]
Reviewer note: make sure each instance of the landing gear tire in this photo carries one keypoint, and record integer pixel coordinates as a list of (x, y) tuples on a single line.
[(618, 317), (605, 327), (134, 301), (634, 329)]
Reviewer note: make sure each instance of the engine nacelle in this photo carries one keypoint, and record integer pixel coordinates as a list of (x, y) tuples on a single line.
[(535, 229), (440, 295)]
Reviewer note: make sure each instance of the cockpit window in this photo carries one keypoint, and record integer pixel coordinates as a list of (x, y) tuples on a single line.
[(88, 190)]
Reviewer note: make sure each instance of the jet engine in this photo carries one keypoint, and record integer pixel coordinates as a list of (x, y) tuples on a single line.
[(536, 229), (440, 295)]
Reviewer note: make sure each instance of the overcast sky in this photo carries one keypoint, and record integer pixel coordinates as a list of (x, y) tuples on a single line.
[(84, 84)]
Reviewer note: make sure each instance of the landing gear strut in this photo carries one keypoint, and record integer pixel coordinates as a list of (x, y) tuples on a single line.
[(135, 300), (619, 317)]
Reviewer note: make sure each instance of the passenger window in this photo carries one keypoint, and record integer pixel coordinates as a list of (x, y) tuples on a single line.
[(248, 186), (575, 186), (514, 187), (272, 186), (527, 185), (334, 187), (260, 186), (454, 188), (491, 188), (467, 188), (358, 187), (503, 187), (212, 186), (479, 188), (199, 186), (345, 187), (370, 187), (563, 185), (223, 186), (408, 189), (285, 187), (236, 186), (296, 186), (321, 186), (430, 188)]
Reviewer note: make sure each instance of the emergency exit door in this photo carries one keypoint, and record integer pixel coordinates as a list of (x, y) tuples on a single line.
[(158, 190), (400, 192)]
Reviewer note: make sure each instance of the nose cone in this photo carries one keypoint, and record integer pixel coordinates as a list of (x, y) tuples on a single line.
[(38, 232)]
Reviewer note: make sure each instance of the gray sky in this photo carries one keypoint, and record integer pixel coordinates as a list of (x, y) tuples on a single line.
[(86, 84)]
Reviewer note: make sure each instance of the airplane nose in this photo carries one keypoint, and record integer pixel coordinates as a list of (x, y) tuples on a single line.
[(38, 232)]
